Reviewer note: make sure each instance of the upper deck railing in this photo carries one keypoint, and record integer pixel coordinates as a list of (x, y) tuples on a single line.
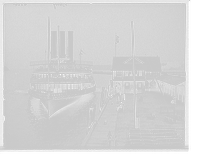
[(61, 65), (42, 66)]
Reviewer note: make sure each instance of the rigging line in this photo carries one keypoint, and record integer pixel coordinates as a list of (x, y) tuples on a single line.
[(157, 81)]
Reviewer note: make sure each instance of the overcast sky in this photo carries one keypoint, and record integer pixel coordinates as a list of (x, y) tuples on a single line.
[(159, 30)]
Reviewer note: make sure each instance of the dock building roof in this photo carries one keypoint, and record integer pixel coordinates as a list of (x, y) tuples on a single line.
[(146, 63)]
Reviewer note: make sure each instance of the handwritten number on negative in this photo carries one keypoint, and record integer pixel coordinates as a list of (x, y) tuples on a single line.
[(20, 4)]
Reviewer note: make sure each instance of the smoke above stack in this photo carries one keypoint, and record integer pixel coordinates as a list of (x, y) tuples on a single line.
[(70, 45)]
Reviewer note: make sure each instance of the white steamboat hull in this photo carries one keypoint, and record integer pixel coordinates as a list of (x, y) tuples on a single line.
[(55, 105)]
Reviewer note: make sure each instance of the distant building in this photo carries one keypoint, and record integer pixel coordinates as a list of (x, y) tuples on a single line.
[(147, 69)]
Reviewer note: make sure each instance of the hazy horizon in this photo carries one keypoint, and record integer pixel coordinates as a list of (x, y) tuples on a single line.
[(159, 30)]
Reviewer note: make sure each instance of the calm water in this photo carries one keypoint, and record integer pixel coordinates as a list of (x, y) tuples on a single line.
[(27, 125)]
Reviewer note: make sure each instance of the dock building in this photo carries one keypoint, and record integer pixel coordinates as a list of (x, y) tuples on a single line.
[(146, 69)]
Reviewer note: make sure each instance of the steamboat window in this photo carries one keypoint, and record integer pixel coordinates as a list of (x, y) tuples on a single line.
[(126, 73), (64, 86), (139, 85), (140, 73), (127, 85), (45, 87)]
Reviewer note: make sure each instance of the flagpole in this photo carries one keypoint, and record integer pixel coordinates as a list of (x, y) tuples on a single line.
[(115, 46), (134, 81), (116, 42), (80, 58), (58, 48), (115, 50)]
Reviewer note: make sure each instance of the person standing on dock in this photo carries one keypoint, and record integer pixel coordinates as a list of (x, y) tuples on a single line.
[(173, 101), (120, 107), (118, 98)]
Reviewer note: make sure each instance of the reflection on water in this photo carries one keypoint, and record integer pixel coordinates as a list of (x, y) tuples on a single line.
[(67, 127)]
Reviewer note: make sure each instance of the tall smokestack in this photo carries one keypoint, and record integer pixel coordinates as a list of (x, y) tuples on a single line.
[(53, 44), (70, 45), (48, 33), (62, 44)]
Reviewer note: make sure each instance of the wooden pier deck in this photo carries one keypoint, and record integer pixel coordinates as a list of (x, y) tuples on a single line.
[(111, 128), (117, 122)]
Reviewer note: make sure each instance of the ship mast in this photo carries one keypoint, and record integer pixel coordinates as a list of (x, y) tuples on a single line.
[(48, 55), (58, 47)]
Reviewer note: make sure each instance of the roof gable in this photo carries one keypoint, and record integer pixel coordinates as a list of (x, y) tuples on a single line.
[(147, 63), (130, 61), (129, 67)]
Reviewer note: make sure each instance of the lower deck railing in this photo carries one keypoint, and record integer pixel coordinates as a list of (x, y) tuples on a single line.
[(64, 94)]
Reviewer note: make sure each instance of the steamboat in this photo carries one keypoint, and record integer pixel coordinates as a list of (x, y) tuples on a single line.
[(60, 86)]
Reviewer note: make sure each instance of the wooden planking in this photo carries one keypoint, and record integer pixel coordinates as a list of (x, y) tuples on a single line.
[(99, 137), (120, 123), (116, 122)]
